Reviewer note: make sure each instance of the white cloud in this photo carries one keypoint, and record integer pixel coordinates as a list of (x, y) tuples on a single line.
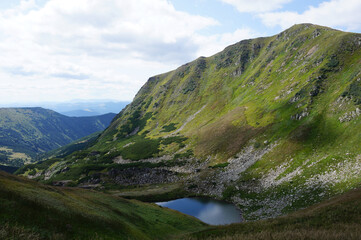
[(216, 43), (345, 14), (70, 49), (257, 5)]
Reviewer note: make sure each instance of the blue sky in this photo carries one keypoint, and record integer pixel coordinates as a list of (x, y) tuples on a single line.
[(59, 50), (230, 18)]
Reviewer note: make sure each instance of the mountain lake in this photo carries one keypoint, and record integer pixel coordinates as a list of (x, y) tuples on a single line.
[(207, 210)]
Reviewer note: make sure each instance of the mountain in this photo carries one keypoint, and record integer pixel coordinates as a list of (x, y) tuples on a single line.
[(78, 107), (29, 210), (26, 132), (80, 113), (76, 145), (270, 124)]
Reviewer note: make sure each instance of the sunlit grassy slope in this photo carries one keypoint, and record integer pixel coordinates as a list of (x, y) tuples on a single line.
[(29, 210), (282, 88)]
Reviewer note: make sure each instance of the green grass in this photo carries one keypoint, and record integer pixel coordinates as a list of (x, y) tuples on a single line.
[(169, 127), (142, 149), (31, 209)]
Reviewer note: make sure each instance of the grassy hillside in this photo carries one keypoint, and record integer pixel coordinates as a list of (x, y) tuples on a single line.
[(29, 210), (270, 124), (26, 132), (68, 149)]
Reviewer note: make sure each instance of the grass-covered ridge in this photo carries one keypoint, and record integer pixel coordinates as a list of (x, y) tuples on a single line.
[(256, 86), (29, 210)]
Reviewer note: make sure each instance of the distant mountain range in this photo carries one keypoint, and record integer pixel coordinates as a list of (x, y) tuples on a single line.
[(80, 113), (26, 132), (77, 108)]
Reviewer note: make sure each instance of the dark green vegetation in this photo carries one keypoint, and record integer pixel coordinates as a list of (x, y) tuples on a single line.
[(26, 132), (68, 149), (8, 169), (270, 124), (335, 219), (29, 210)]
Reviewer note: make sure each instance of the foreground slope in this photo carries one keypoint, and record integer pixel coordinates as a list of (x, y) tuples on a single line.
[(25, 132), (270, 124), (29, 210)]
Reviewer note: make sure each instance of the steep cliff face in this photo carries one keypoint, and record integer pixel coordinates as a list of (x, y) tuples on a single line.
[(269, 123)]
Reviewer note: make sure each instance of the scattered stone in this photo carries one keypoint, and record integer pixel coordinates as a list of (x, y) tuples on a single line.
[(316, 33), (237, 73), (301, 115), (347, 117)]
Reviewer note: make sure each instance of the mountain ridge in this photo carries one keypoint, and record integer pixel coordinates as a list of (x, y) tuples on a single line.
[(25, 132), (268, 124)]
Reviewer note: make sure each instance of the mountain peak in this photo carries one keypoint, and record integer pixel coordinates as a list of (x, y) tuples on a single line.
[(265, 117)]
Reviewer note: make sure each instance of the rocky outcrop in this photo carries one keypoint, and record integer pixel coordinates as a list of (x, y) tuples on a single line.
[(140, 176), (350, 115), (300, 115), (216, 181)]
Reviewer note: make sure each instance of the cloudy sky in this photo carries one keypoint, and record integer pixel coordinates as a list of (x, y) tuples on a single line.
[(59, 50)]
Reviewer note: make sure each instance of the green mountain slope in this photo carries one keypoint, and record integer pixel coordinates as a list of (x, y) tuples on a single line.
[(29, 210), (25, 132), (77, 145), (270, 124)]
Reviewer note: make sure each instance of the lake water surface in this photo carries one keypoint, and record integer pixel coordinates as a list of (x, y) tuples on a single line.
[(207, 210)]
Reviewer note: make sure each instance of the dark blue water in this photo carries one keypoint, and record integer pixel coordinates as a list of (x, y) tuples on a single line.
[(207, 210)]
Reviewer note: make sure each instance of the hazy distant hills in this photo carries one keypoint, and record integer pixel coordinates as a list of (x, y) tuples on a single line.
[(26, 132), (80, 113), (76, 108), (88, 108)]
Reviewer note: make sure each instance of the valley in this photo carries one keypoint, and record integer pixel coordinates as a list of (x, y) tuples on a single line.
[(27, 132)]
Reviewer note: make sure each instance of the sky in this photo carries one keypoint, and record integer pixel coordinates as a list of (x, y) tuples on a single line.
[(60, 50)]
